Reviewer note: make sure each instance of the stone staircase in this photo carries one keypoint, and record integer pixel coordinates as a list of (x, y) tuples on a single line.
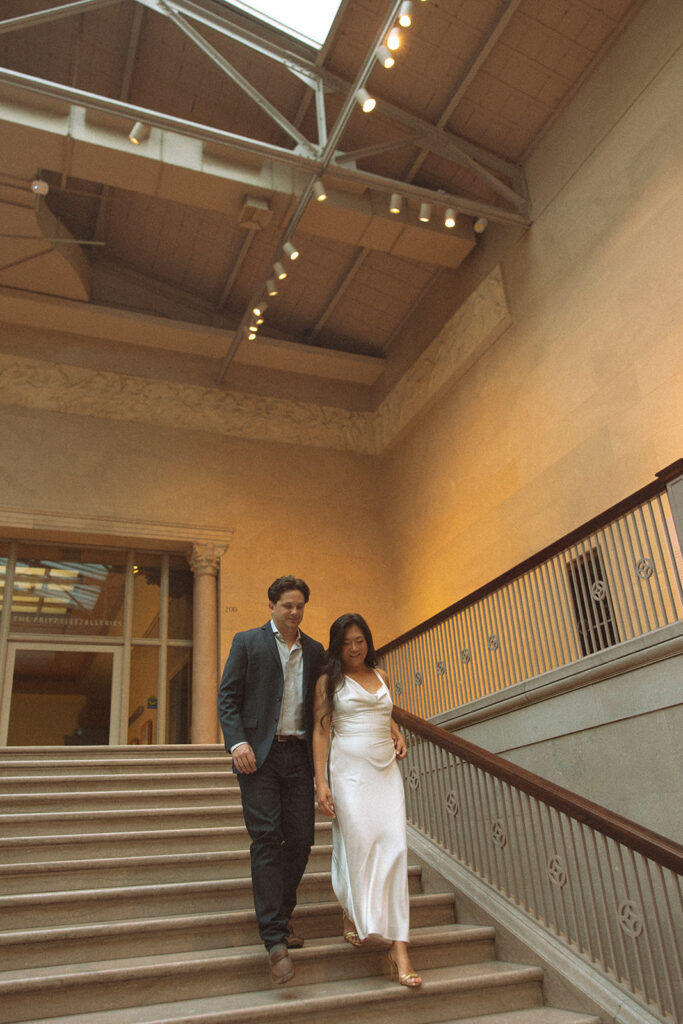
[(125, 898)]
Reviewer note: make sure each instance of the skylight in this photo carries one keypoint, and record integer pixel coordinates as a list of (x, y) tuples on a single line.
[(307, 21)]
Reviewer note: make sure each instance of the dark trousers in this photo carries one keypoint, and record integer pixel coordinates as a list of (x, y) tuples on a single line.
[(278, 806)]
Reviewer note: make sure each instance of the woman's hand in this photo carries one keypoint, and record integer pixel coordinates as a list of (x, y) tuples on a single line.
[(325, 802), (399, 746)]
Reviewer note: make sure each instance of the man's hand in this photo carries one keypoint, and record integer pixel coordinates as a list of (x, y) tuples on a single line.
[(243, 759)]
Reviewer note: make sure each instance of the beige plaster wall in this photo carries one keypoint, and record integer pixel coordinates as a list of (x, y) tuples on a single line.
[(579, 402), (302, 510)]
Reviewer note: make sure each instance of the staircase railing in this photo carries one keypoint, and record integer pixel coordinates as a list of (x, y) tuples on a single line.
[(605, 887), (617, 577)]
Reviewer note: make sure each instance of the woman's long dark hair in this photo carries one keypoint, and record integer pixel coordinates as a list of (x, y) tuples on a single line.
[(332, 667)]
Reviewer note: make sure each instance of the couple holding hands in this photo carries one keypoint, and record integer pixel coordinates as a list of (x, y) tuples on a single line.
[(291, 711)]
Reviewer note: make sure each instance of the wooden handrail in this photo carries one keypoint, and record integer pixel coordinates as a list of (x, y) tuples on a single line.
[(651, 490), (650, 844)]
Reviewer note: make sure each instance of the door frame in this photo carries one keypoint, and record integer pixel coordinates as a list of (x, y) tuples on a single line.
[(117, 688)]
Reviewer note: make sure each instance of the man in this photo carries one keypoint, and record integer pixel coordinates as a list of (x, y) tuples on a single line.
[(265, 705)]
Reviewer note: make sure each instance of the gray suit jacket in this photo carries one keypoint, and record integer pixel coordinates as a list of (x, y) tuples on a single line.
[(250, 692)]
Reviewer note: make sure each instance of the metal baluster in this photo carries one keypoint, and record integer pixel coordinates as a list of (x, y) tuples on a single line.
[(480, 861), (671, 942), (504, 640), (626, 577), (621, 530), (622, 972), (531, 639), (517, 672), (635, 946), (478, 647), (658, 931), (580, 896), (620, 601), (655, 532), (649, 925), (606, 918), (633, 563), (644, 546), (456, 688), (551, 615), (572, 880), (674, 574), (588, 874), (536, 832), (541, 625)]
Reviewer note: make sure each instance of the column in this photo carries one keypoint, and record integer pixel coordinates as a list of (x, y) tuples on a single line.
[(204, 561)]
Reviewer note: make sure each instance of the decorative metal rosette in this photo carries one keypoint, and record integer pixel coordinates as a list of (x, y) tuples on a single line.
[(556, 871), (630, 918), (498, 833), (452, 805), (645, 568)]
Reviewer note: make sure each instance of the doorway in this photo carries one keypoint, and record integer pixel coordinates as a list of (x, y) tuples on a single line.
[(61, 694)]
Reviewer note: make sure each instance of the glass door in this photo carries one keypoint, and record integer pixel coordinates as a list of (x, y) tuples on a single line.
[(61, 695)]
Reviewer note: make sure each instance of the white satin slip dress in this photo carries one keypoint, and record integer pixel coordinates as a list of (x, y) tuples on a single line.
[(369, 853)]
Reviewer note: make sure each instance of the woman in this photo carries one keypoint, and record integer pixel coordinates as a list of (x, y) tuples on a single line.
[(356, 739)]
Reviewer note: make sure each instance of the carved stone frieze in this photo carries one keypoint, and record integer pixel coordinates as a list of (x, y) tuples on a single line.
[(34, 383)]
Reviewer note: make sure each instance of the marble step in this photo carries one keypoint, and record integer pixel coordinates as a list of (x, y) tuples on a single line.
[(140, 981), (36, 756), (140, 798), (104, 872), (134, 820), (179, 778), (473, 993), (35, 910), (74, 943), (77, 846)]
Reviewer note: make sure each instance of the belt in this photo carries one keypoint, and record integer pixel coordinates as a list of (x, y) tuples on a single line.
[(288, 739)]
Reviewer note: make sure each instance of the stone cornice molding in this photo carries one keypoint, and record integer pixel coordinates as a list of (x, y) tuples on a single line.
[(482, 318), (135, 532)]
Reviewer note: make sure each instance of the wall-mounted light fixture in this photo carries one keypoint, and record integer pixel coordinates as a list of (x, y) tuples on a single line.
[(290, 250), (139, 133), (365, 100), (271, 287), (260, 308), (480, 225), (279, 270), (449, 218), (319, 190), (425, 212), (252, 334)]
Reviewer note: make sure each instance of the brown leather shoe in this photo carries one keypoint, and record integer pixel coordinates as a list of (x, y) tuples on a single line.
[(281, 966), (293, 941)]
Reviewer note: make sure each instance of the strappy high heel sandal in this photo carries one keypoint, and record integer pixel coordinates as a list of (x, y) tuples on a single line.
[(411, 979), (350, 934)]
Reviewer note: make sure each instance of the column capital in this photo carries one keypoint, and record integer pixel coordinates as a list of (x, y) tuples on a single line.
[(205, 558)]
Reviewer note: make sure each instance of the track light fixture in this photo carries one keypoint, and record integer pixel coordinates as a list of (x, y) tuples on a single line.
[(252, 334), (290, 250), (279, 270), (396, 203), (139, 133), (260, 308), (405, 14), (480, 225), (425, 212), (271, 287), (449, 218), (259, 321), (319, 190), (394, 39), (365, 100), (384, 57)]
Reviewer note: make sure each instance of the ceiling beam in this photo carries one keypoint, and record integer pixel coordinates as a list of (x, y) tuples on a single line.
[(53, 14)]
